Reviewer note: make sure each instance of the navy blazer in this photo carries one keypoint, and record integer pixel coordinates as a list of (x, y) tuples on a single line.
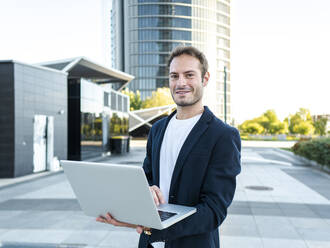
[(204, 177)]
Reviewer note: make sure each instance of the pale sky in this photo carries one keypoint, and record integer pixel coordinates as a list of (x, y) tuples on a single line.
[(280, 57), (280, 48)]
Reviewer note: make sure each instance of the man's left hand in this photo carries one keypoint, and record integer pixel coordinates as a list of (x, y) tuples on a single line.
[(108, 219)]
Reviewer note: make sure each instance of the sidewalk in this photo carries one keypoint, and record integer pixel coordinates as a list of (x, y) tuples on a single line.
[(279, 202)]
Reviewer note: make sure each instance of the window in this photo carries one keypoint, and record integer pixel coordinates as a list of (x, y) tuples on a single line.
[(163, 35), (222, 7), (106, 99), (144, 22), (223, 19), (113, 101), (153, 9), (169, 1), (223, 42), (120, 102), (223, 30), (125, 104)]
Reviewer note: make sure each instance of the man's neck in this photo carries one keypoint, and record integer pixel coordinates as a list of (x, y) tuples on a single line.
[(187, 112)]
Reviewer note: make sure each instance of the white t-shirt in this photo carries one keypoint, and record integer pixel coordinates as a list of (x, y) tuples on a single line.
[(174, 137)]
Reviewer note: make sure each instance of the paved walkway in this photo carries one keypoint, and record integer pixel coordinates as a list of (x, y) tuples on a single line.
[(279, 203)]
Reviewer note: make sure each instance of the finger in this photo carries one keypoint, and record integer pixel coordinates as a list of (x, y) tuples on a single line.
[(99, 219), (111, 220), (154, 194), (160, 196), (108, 217), (139, 229)]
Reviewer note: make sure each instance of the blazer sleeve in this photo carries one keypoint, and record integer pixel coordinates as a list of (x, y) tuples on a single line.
[(216, 193), (147, 165)]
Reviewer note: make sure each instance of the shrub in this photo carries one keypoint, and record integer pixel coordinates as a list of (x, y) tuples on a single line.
[(315, 149)]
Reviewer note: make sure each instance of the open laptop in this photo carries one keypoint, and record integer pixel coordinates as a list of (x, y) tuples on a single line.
[(121, 190)]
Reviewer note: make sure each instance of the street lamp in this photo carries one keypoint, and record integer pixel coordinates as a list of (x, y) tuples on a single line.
[(225, 93)]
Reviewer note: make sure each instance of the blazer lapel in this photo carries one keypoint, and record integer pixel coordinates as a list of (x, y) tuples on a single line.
[(192, 138), (158, 143)]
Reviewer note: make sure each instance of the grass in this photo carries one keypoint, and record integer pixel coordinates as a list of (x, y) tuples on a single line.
[(286, 149)]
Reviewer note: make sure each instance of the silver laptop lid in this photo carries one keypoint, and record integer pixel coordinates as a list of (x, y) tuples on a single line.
[(121, 190)]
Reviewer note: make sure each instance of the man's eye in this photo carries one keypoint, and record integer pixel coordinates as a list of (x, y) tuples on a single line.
[(173, 76), (190, 75)]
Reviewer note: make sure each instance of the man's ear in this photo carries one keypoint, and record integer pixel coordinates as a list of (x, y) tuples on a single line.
[(206, 78)]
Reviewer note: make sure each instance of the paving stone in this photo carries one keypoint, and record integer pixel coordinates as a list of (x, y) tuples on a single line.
[(276, 227), (317, 244), (35, 236), (314, 234), (118, 239), (309, 223), (86, 237), (288, 243), (236, 242)]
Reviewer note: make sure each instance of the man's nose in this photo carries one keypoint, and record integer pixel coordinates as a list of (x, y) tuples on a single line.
[(181, 80)]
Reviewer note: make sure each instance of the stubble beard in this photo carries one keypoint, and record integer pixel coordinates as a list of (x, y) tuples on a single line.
[(186, 103)]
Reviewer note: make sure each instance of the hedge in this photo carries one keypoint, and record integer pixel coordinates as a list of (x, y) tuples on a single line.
[(315, 149)]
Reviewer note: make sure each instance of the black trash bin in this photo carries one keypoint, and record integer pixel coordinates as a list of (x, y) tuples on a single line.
[(119, 144)]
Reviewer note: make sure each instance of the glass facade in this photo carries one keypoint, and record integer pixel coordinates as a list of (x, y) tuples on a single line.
[(103, 115), (154, 27)]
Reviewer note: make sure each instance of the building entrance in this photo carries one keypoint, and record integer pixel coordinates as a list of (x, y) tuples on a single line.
[(43, 142)]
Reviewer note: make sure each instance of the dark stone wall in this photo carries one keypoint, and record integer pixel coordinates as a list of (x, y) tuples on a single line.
[(74, 119), (6, 120), (38, 91)]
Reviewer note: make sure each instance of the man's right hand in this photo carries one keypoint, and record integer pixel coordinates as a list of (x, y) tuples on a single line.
[(157, 194)]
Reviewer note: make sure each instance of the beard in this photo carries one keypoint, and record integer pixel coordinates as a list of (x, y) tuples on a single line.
[(196, 96)]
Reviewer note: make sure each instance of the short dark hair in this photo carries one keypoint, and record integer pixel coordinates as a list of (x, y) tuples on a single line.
[(192, 51)]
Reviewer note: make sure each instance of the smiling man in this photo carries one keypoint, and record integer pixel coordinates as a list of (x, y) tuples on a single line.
[(192, 159)]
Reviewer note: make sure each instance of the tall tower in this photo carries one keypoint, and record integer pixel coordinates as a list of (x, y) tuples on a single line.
[(144, 32)]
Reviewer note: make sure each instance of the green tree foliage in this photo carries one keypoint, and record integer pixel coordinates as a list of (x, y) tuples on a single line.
[(304, 128), (254, 128), (135, 101), (320, 126), (267, 123), (278, 127), (270, 118), (301, 122), (161, 97)]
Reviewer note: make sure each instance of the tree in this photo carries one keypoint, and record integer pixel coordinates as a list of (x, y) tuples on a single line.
[(301, 122), (161, 97), (278, 127), (254, 128), (135, 101), (268, 119), (304, 128), (251, 127), (320, 126)]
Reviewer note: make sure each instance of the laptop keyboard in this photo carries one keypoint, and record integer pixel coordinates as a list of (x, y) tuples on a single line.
[(165, 215)]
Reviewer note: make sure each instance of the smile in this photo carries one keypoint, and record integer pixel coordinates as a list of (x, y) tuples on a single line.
[(182, 92)]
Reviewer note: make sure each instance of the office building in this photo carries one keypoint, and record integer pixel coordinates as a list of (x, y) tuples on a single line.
[(68, 109), (145, 31)]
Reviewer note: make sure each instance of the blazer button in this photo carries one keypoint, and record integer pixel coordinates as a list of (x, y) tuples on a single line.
[(171, 196)]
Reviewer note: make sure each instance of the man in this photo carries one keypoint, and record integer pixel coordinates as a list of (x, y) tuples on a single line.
[(192, 159)]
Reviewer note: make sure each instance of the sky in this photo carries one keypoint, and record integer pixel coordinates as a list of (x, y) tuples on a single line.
[(279, 49), (280, 53)]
